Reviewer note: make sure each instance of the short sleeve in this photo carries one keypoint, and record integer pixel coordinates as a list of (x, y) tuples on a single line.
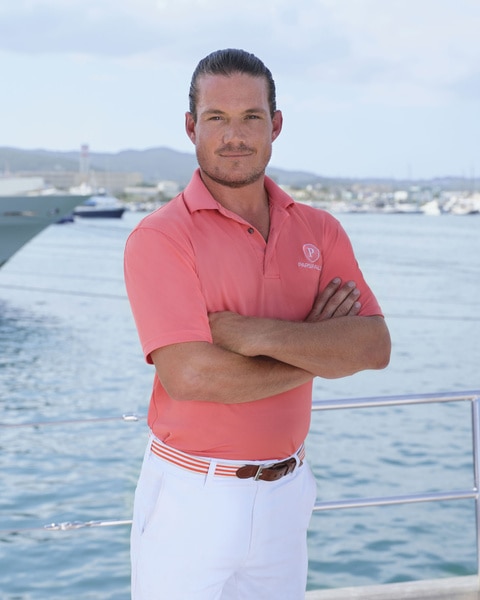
[(164, 290), (339, 261)]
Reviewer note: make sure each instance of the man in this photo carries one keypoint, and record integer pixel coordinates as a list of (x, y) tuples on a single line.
[(241, 297)]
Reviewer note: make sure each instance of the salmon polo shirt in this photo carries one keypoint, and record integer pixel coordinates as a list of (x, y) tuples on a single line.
[(192, 257)]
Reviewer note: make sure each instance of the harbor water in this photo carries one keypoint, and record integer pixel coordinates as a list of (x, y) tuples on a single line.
[(71, 366)]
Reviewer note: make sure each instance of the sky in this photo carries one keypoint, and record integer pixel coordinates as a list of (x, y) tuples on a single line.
[(368, 88)]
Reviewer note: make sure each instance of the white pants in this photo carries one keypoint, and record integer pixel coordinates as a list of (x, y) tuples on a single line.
[(197, 537)]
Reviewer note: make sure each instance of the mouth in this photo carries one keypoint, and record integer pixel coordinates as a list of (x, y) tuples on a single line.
[(235, 153)]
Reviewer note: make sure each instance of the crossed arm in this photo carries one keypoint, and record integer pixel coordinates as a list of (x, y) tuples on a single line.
[(252, 358)]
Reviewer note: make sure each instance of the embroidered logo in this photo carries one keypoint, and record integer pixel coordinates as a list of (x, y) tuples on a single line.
[(312, 253)]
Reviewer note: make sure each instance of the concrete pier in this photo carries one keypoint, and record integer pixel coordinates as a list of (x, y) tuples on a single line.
[(457, 588)]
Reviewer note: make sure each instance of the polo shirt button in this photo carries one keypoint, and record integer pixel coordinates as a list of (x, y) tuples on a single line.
[(251, 230)]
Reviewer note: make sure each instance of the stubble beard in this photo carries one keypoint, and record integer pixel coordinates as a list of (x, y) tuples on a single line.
[(232, 181)]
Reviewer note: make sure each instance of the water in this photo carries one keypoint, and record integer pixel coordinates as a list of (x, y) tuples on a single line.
[(69, 350)]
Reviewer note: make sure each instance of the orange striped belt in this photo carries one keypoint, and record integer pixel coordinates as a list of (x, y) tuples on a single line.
[(264, 472)]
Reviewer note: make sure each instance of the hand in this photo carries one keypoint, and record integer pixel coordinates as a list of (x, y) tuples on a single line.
[(336, 300), (226, 329)]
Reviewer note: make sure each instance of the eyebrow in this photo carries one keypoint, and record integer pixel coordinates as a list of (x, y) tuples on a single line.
[(256, 110), (248, 111)]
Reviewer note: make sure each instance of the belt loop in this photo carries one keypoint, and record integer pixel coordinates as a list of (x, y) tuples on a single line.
[(300, 455), (211, 470), (298, 460)]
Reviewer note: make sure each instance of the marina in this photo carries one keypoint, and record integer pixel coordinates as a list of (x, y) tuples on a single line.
[(72, 367)]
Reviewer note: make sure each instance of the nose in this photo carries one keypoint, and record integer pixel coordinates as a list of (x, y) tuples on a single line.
[(234, 132)]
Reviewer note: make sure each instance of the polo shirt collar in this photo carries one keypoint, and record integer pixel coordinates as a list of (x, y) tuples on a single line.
[(197, 196)]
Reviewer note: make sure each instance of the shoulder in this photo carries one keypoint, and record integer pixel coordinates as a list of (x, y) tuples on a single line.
[(170, 219), (166, 229), (172, 211), (300, 210), (317, 217)]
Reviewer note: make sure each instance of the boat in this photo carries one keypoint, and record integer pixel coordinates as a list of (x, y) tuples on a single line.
[(468, 205), (105, 207), (431, 208), (22, 217), (403, 208)]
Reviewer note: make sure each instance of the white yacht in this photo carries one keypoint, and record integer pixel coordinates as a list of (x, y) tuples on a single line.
[(24, 215)]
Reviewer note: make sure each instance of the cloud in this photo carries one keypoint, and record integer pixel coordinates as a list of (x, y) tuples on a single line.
[(433, 42), (340, 65), (428, 44), (98, 29)]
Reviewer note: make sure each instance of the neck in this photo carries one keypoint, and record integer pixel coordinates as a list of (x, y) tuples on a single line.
[(249, 202)]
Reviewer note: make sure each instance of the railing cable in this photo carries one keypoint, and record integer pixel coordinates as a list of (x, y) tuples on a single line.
[(127, 417), (472, 396), (65, 526)]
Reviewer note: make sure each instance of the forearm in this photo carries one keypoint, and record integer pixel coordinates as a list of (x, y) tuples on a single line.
[(331, 348), (206, 372)]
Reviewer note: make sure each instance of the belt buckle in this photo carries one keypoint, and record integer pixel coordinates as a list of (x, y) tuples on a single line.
[(259, 472)]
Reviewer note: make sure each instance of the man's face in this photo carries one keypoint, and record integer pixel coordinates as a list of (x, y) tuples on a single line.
[(234, 130)]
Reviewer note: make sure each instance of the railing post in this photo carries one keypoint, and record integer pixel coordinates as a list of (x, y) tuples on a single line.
[(476, 469)]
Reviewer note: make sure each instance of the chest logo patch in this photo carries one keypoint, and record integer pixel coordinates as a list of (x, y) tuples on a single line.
[(311, 252)]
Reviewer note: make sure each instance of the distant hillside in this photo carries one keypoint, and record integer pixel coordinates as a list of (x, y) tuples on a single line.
[(154, 164), (13, 160)]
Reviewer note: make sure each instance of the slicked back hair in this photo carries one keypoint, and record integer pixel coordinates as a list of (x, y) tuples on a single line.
[(227, 62)]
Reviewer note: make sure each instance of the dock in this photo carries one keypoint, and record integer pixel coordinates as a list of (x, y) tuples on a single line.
[(455, 588)]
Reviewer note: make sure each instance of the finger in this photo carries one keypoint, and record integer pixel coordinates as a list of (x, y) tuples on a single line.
[(347, 301), (337, 304), (355, 310), (322, 300)]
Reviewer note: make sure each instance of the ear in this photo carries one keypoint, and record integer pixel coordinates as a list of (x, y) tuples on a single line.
[(190, 126), (277, 123)]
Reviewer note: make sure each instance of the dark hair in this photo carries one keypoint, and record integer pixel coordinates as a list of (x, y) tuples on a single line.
[(226, 62)]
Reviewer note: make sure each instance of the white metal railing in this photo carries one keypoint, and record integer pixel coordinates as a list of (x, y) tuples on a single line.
[(471, 396), (356, 403)]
